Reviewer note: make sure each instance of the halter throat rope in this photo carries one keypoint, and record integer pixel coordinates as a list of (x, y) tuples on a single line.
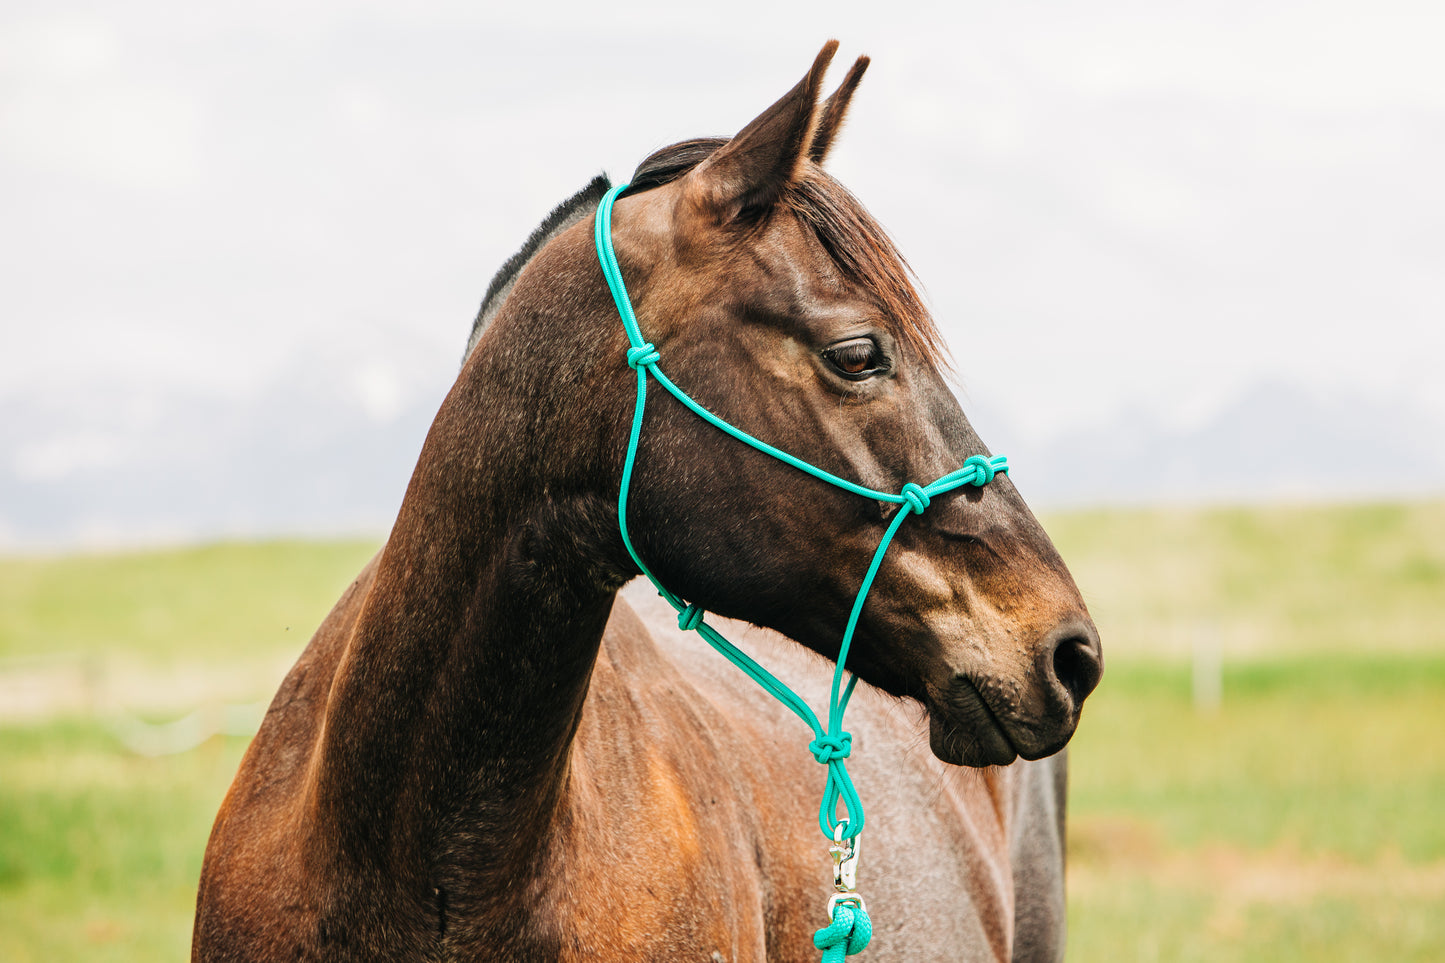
[(830, 746)]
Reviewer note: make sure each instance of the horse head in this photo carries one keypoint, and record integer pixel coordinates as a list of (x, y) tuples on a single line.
[(778, 303)]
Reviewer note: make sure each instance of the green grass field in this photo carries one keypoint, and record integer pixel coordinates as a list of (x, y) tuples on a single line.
[(1298, 820)]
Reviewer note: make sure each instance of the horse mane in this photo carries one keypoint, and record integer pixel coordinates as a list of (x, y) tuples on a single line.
[(563, 216), (858, 245)]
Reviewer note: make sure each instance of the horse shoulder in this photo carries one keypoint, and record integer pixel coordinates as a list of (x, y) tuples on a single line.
[(252, 884), (671, 844)]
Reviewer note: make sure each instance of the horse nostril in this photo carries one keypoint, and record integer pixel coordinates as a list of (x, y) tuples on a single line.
[(1077, 665)]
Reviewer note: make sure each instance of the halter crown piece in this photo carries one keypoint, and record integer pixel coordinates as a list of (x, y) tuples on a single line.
[(850, 929)]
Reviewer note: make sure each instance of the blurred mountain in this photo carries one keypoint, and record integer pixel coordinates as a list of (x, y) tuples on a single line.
[(328, 450), (314, 454), (1274, 442)]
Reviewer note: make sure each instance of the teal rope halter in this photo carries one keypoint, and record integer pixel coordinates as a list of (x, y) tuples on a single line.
[(830, 746)]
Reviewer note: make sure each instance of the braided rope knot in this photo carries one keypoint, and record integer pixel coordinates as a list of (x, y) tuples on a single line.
[(642, 356), (690, 617), (849, 933), (915, 497), (983, 472), (828, 748)]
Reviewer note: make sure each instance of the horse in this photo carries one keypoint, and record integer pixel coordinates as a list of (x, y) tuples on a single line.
[(494, 749)]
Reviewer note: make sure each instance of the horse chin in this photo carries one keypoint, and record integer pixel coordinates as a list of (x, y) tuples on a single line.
[(965, 732)]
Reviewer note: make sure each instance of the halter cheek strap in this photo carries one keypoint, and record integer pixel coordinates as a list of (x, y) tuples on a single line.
[(830, 746)]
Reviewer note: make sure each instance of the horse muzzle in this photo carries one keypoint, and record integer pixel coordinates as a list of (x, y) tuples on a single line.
[(990, 718)]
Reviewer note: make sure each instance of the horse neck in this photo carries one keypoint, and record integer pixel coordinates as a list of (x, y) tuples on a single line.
[(462, 685)]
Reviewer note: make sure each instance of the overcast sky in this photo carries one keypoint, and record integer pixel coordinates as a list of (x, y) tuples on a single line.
[(1112, 206)]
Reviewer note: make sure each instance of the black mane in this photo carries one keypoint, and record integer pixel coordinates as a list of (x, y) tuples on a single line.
[(569, 212), (857, 244)]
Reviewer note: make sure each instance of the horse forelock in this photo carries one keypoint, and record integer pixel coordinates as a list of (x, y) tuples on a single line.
[(866, 255), (563, 216), (857, 244)]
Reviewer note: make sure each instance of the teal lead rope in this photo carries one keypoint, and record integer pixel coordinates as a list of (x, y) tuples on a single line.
[(849, 932), (850, 929)]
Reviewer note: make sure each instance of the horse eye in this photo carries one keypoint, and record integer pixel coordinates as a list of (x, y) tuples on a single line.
[(855, 358)]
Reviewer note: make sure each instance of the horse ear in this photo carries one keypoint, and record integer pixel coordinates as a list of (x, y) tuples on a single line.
[(834, 109), (753, 169)]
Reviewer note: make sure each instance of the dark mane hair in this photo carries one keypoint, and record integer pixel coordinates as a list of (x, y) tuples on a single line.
[(563, 216), (856, 242)]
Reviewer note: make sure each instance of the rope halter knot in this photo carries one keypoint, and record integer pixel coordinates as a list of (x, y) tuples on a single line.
[(828, 748), (690, 617), (915, 497), (983, 469), (642, 356)]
